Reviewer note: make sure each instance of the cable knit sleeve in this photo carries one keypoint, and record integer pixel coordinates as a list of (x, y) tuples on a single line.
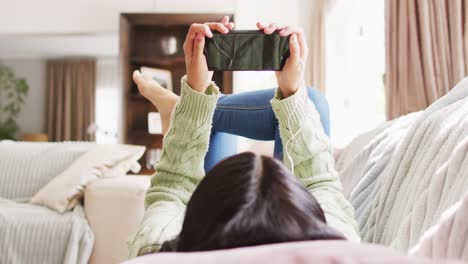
[(307, 152), (179, 170)]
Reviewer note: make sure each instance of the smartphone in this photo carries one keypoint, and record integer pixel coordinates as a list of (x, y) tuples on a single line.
[(246, 50)]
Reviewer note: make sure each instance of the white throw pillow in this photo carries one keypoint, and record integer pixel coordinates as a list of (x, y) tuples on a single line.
[(63, 192), (26, 167)]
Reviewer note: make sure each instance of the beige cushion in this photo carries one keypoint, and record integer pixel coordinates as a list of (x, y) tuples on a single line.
[(26, 167), (63, 192), (114, 208)]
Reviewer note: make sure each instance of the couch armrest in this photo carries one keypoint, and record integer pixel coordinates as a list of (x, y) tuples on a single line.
[(114, 208)]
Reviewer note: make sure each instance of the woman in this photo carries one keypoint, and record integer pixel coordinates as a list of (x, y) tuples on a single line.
[(247, 199)]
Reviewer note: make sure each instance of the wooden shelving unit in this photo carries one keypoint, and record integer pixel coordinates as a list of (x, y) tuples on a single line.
[(140, 45)]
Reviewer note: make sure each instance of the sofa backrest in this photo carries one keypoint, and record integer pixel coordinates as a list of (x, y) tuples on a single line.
[(25, 167)]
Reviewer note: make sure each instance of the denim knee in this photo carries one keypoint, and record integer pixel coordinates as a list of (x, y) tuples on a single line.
[(321, 104)]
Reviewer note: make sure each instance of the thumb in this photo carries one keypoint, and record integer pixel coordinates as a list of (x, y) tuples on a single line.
[(199, 45), (294, 49)]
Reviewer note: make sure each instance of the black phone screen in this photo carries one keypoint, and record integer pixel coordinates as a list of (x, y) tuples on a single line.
[(246, 50)]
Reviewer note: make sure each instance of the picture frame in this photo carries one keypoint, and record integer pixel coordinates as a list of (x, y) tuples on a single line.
[(163, 77)]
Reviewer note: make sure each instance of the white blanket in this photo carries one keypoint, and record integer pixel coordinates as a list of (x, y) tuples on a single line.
[(412, 171), (35, 234)]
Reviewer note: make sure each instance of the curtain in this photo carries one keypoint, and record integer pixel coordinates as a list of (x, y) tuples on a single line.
[(71, 99), (315, 34), (426, 52)]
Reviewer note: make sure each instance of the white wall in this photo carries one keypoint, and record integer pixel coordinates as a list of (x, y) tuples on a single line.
[(97, 16), (57, 45), (32, 116), (64, 16)]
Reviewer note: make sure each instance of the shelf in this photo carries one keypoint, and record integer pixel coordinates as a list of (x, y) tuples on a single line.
[(146, 172), (137, 96), (165, 62), (142, 133), (141, 44)]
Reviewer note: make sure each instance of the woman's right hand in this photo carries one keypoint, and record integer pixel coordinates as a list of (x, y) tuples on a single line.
[(292, 76), (198, 76)]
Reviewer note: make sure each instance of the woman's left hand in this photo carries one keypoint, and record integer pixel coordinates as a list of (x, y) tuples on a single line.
[(291, 77), (198, 76)]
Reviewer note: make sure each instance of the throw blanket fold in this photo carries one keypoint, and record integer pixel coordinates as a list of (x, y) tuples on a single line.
[(448, 239), (414, 169), (34, 234)]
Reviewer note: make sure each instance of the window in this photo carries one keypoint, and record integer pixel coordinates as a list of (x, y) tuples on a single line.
[(108, 101), (355, 61)]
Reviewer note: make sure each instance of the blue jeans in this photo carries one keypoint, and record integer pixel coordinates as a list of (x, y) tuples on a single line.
[(250, 115)]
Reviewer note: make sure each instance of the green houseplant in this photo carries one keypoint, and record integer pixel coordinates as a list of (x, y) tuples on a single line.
[(13, 90)]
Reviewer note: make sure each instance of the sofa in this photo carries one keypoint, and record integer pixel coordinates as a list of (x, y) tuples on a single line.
[(95, 231), (102, 208)]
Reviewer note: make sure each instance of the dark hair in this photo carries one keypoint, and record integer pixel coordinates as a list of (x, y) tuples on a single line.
[(249, 200)]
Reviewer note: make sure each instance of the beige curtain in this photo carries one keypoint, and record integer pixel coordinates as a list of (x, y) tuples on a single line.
[(426, 51), (70, 101), (315, 33)]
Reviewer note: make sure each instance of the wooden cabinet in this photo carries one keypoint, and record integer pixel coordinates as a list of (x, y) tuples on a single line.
[(142, 44)]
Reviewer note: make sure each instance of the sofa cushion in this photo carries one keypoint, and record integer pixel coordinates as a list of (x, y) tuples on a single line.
[(105, 160), (26, 167), (114, 206)]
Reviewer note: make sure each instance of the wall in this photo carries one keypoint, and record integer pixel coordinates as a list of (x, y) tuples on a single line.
[(58, 45), (32, 118), (91, 16), (58, 16)]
